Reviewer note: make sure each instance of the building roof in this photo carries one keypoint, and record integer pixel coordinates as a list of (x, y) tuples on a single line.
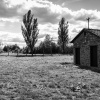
[(92, 31)]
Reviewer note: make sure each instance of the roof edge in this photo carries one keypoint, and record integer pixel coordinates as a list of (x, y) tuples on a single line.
[(77, 35)]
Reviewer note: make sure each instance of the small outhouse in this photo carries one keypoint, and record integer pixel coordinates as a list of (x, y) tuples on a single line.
[(87, 48)]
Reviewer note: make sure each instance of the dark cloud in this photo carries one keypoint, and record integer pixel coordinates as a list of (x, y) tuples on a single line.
[(68, 15), (63, 2), (73, 21), (7, 12), (44, 15), (58, 1)]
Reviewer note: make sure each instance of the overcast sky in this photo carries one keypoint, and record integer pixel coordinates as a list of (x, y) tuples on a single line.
[(49, 13)]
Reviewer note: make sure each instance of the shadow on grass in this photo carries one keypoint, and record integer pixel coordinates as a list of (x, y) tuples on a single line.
[(65, 63), (1, 55), (28, 55), (35, 55), (24, 55), (94, 69), (20, 55)]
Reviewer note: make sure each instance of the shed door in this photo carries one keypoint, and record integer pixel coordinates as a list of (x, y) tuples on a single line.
[(77, 56), (93, 56)]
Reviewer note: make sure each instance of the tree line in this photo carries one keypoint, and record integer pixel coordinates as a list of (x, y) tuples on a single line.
[(30, 33), (45, 47)]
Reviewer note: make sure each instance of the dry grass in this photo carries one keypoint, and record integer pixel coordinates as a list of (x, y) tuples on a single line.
[(46, 78)]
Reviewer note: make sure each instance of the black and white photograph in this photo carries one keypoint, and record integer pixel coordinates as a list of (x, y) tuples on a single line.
[(49, 49)]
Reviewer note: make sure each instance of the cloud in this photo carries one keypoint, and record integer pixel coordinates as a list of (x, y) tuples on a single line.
[(13, 27), (45, 10), (8, 38), (75, 30), (49, 28), (7, 15), (41, 36), (82, 14), (63, 2), (45, 16), (7, 12), (48, 12), (12, 3), (17, 39), (10, 20)]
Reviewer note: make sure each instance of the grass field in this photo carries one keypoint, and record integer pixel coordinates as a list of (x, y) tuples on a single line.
[(46, 78)]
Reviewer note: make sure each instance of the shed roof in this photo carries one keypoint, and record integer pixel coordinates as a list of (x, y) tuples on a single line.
[(91, 31)]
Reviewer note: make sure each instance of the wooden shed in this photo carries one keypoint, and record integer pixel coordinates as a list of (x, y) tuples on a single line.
[(87, 48)]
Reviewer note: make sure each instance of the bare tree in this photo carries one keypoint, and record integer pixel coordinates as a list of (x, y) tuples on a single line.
[(63, 34), (30, 30)]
